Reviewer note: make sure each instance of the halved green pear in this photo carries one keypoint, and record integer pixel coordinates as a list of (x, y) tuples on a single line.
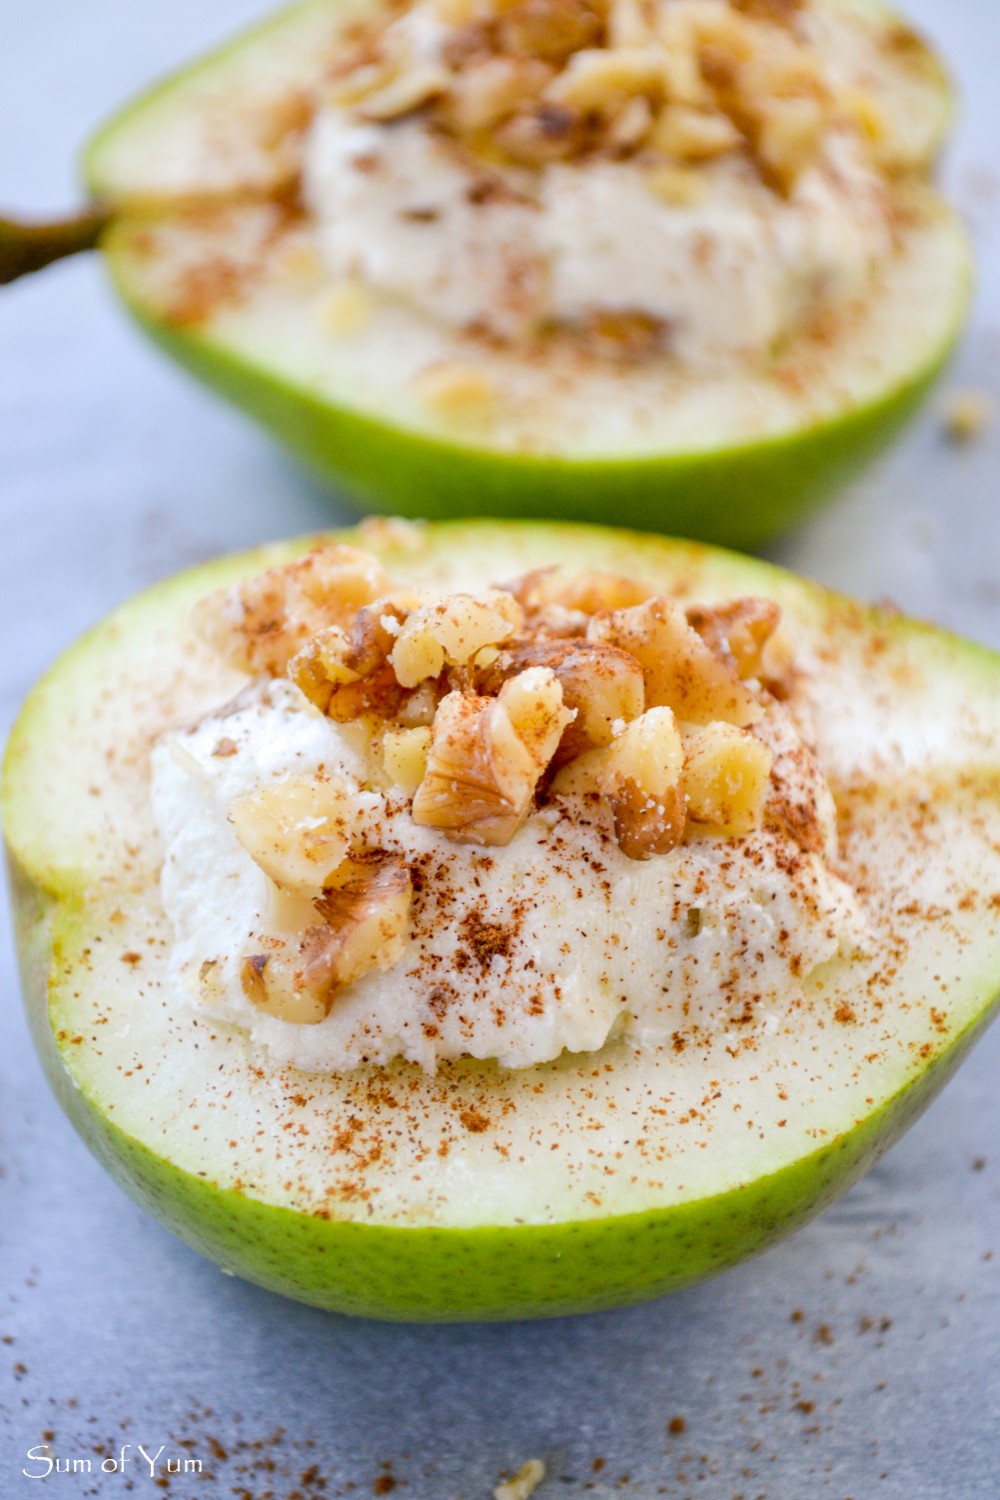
[(482, 1192), (209, 248)]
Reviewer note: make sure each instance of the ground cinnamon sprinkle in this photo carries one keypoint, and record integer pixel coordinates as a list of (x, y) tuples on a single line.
[(489, 940)]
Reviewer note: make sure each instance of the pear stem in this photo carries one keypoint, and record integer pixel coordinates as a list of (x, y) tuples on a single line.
[(31, 247)]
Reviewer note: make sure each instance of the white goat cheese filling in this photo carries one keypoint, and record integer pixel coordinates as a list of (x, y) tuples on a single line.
[(400, 209), (556, 942), (720, 258)]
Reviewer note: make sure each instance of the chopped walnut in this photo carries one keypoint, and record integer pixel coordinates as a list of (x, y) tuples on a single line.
[(601, 683), (631, 127), (642, 778), (546, 132), (419, 707), (781, 12), (599, 77), (695, 135), (346, 676), (788, 138), (260, 624), (356, 76), (533, 703), (296, 830), (404, 756), (406, 92), (726, 778), (738, 632), (549, 29), (393, 532), (583, 776), (523, 1484), (492, 90), (368, 907), (679, 669), (772, 87), (968, 415), (778, 70), (291, 994), (629, 24), (450, 632), (583, 593), (487, 756), (683, 72), (458, 13), (365, 915)]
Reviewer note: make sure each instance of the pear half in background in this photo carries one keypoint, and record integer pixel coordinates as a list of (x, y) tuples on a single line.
[(200, 214)]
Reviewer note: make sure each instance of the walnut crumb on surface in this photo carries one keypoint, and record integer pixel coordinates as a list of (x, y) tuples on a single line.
[(968, 415), (524, 1483)]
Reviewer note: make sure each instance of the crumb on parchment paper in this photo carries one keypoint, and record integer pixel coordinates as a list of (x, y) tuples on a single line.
[(968, 415), (524, 1483)]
